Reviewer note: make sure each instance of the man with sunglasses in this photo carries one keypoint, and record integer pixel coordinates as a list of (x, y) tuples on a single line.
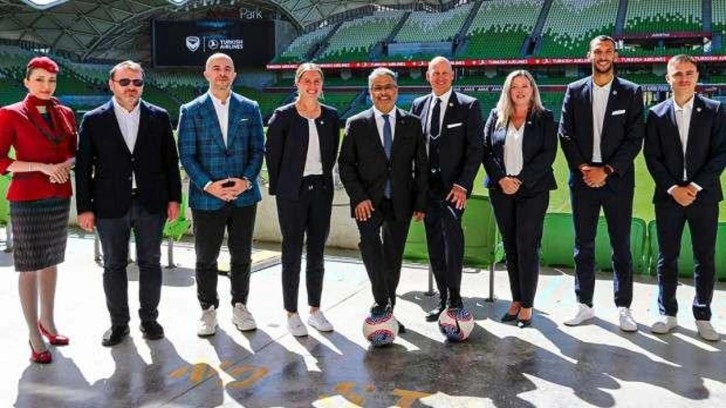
[(127, 178)]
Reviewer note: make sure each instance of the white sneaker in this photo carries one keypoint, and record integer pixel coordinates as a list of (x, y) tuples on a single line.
[(706, 331), (664, 325), (207, 323), (627, 323), (318, 321), (242, 318), (295, 326), (584, 314)]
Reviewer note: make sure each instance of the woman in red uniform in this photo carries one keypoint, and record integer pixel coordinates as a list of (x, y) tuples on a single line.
[(43, 135)]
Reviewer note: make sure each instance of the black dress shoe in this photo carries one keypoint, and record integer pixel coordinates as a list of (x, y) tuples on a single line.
[(380, 310), (456, 304), (506, 317), (152, 330), (433, 315), (401, 328), (115, 335), (521, 323)]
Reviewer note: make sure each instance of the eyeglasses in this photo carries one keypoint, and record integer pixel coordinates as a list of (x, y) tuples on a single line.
[(126, 82)]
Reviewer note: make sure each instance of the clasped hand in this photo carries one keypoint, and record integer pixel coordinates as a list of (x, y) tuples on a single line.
[(228, 189)]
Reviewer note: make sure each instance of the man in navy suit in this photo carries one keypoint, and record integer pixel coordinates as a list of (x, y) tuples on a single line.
[(685, 150), (221, 146), (127, 178), (453, 128), (384, 170), (601, 132)]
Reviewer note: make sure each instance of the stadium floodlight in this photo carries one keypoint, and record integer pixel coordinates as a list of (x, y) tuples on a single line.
[(43, 4)]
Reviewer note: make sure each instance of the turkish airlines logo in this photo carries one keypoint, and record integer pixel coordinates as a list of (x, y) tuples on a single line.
[(193, 43)]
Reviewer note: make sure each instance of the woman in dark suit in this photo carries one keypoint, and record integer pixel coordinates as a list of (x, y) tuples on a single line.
[(43, 134), (520, 145), (301, 149)]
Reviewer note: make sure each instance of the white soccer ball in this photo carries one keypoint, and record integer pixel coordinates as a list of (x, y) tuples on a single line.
[(456, 324), (380, 329)]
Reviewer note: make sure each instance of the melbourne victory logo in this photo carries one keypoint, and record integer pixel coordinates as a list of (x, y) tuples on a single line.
[(193, 43)]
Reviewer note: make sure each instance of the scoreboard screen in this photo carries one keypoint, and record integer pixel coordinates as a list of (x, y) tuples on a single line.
[(189, 43)]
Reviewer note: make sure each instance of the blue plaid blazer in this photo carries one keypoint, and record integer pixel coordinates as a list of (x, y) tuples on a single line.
[(205, 157)]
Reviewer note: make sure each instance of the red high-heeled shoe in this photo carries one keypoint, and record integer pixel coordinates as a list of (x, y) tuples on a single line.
[(54, 339), (43, 357)]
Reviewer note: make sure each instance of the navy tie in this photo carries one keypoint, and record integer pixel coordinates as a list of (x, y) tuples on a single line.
[(387, 143), (435, 119)]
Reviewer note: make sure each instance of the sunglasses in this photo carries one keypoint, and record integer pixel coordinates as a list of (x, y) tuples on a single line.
[(126, 82)]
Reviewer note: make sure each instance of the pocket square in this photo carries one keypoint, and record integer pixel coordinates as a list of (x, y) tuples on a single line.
[(618, 112), (453, 125)]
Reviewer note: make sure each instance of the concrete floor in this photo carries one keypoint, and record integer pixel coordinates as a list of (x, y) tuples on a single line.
[(545, 365)]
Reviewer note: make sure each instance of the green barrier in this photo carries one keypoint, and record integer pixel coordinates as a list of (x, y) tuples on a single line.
[(685, 260), (558, 243)]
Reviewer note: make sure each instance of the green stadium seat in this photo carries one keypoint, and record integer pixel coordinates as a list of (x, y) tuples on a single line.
[(638, 246), (482, 247), (5, 211), (685, 260), (558, 243), (174, 230)]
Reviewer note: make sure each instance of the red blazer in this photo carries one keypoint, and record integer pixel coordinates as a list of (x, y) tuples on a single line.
[(31, 145)]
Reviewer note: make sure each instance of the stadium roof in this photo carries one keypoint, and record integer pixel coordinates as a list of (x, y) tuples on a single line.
[(113, 29)]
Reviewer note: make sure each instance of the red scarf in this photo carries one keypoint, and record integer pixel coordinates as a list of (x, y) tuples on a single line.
[(61, 126)]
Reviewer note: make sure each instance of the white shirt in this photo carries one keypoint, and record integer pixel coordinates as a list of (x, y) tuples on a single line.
[(683, 121), (600, 95), (128, 123), (513, 159), (379, 123), (442, 110), (313, 161), (222, 109)]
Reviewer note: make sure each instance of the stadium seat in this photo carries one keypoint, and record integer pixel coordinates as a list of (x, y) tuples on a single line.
[(558, 243), (570, 26), (685, 260), (5, 211), (647, 16), (174, 230)]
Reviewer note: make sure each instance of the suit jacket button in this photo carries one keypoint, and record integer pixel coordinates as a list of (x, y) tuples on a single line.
[(228, 153)]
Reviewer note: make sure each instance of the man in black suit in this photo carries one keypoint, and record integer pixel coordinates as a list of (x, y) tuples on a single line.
[(685, 150), (453, 129), (127, 177), (601, 132), (384, 170)]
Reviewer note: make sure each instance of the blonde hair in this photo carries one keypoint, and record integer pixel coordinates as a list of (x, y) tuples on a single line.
[(308, 67), (505, 106)]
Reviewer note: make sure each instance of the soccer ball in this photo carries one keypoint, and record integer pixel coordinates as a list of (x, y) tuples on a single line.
[(456, 324), (380, 329)]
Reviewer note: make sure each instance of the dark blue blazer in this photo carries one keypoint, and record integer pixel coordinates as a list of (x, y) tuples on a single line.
[(206, 158), (104, 164), (539, 148), (460, 147), (287, 146), (705, 154), (622, 133), (364, 168)]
